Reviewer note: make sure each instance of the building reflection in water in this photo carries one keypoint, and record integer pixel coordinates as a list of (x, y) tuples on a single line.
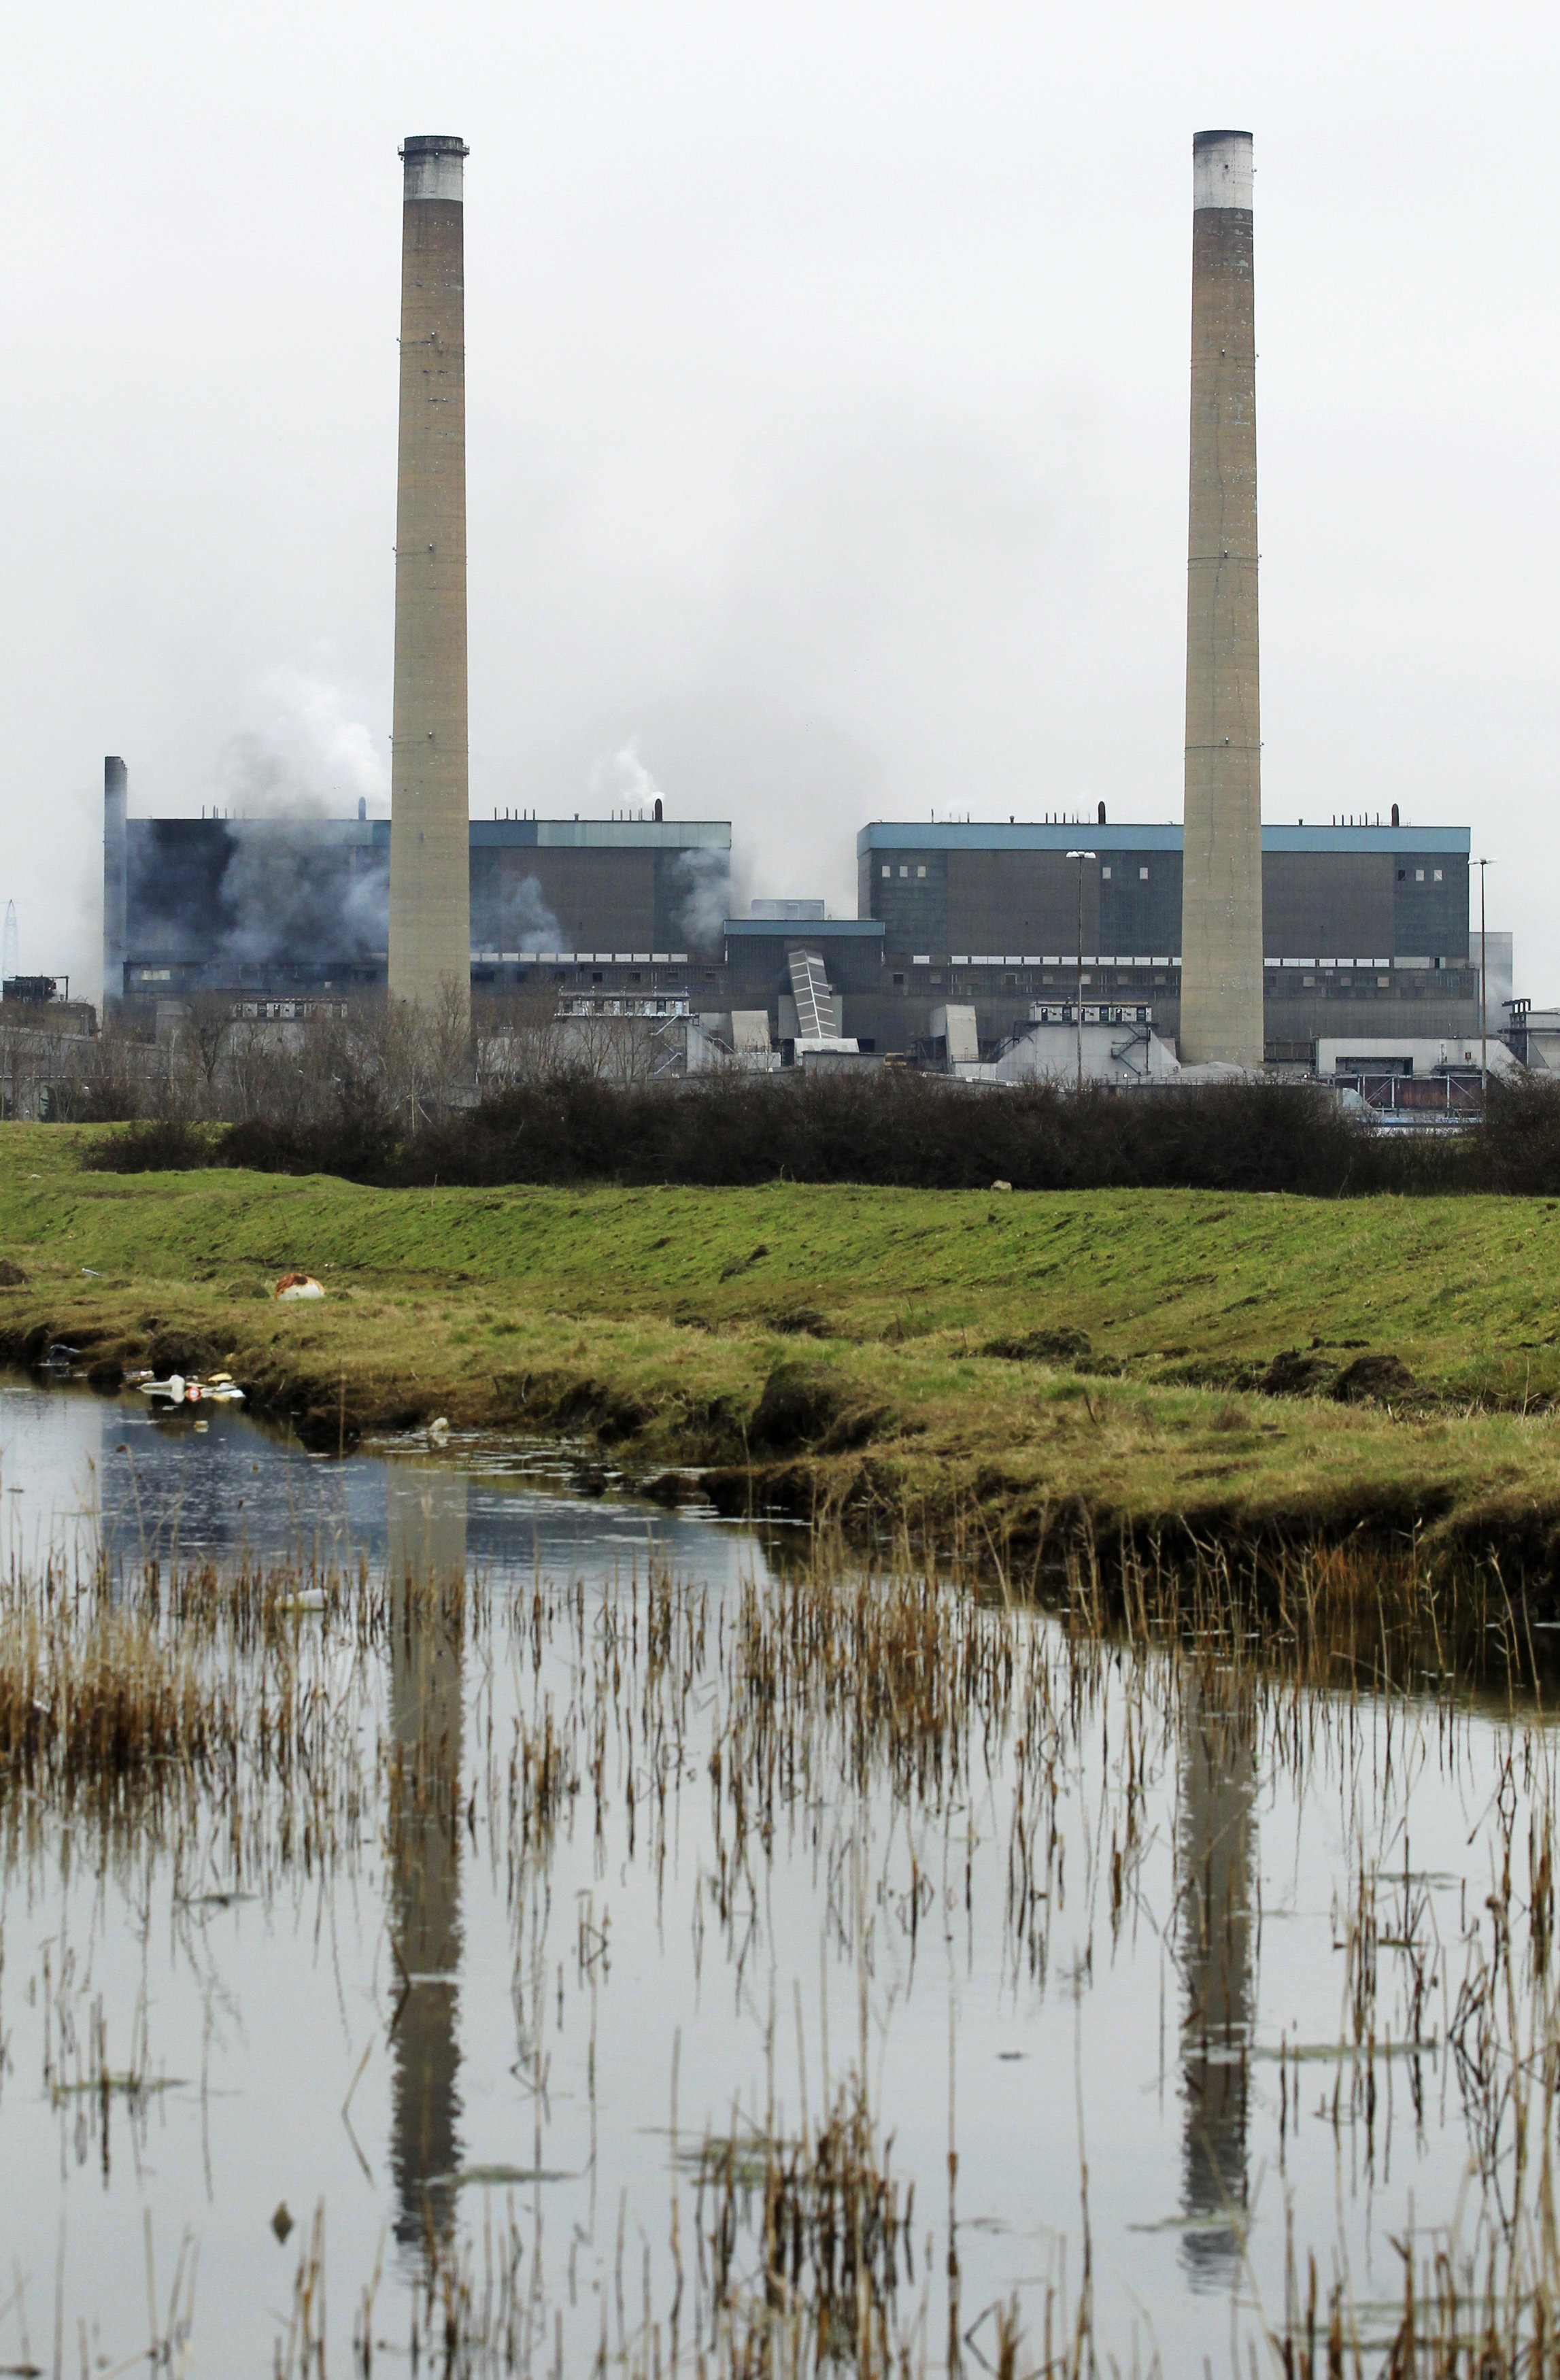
[(1217, 1944), (425, 1546)]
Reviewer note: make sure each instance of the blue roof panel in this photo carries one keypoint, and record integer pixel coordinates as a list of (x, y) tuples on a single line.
[(799, 930), (987, 836)]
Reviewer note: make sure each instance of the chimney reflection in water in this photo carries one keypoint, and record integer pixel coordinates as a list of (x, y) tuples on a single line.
[(426, 1544), (1218, 1851)]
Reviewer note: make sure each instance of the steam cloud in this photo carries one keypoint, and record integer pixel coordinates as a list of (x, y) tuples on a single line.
[(308, 759), (283, 896), (703, 895), (528, 924), (623, 777)]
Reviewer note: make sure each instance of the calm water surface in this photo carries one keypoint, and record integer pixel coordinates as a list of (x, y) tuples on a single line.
[(1108, 1998)]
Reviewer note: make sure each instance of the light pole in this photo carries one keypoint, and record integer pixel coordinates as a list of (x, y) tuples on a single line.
[(1484, 995), (1080, 856)]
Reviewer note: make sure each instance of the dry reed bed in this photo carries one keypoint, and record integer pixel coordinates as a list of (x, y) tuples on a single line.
[(234, 1719), (838, 1677), (830, 1683)]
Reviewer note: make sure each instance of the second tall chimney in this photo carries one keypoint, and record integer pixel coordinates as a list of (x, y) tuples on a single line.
[(430, 807), (1221, 883), (115, 876)]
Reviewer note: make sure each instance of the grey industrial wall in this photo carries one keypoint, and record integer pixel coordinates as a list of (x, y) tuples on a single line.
[(756, 970), (243, 895), (1315, 904), (592, 899), (890, 990), (286, 903), (895, 1011)]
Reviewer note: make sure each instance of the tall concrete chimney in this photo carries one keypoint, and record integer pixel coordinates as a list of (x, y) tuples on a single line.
[(430, 862), (1221, 884), (116, 875)]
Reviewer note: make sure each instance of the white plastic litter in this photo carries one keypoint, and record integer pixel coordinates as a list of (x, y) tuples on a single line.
[(294, 1286), (222, 1389)]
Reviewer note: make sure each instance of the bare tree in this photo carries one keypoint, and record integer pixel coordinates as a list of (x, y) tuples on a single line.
[(519, 1038), (264, 1076), (385, 1063), (605, 1048), (204, 1035)]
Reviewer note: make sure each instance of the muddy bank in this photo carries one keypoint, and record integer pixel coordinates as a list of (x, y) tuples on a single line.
[(808, 1443), (1060, 1380)]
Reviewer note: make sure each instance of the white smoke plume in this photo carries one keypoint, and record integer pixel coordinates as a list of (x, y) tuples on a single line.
[(704, 898), (622, 779), (287, 898), (308, 757), (704, 878), (527, 922)]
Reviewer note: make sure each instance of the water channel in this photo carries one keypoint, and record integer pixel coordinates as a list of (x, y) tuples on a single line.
[(430, 2040)]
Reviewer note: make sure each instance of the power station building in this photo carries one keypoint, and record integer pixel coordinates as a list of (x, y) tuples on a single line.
[(1365, 927), (290, 907)]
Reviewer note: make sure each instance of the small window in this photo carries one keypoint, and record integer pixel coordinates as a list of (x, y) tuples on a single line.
[(1438, 876), (1309, 981), (888, 871), (1384, 983), (1104, 872), (596, 976), (1419, 875), (898, 983), (1142, 875), (921, 871), (903, 871), (1403, 876)]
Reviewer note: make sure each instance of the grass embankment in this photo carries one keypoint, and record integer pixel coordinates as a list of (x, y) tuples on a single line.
[(830, 1339)]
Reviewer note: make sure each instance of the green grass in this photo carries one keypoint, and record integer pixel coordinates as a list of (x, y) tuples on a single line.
[(652, 1314)]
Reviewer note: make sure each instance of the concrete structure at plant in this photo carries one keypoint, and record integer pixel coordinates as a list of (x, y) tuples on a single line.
[(430, 891), (1221, 885)]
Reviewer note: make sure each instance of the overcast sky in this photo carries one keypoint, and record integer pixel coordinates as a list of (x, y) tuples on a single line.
[(827, 383)]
